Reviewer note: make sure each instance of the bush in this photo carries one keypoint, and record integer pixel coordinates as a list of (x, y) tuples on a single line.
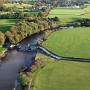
[(2, 38), (24, 80), (22, 69)]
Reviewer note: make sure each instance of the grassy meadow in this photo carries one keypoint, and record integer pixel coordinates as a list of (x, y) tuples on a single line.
[(17, 5), (65, 75), (70, 42), (62, 75), (68, 14), (5, 24)]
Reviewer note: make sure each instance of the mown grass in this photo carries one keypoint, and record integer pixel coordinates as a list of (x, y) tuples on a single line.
[(65, 75), (67, 15), (70, 42), (17, 5), (5, 24), (62, 75)]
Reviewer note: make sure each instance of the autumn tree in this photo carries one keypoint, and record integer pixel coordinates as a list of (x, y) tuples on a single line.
[(2, 38)]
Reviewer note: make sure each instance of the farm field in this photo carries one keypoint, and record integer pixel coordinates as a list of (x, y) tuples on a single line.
[(67, 14), (65, 75), (62, 75), (17, 5), (70, 42), (5, 24)]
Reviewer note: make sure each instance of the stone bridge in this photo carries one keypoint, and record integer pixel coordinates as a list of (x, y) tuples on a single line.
[(28, 47)]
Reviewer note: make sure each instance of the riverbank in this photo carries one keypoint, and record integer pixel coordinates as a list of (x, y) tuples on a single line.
[(14, 60), (2, 52), (65, 42), (61, 75)]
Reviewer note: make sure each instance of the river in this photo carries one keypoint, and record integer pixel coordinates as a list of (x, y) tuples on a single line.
[(13, 60)]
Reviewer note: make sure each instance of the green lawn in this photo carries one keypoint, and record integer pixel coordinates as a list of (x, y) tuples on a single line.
[(66, 15), (70, 42), (5, 24), (65, 75), (18, 5), (62, 75), (62, 11)]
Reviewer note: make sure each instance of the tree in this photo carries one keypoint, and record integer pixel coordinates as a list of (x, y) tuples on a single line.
[(9, 36), (41, 14), (2, 38), (56, 19), (22, 69), (24, 79), (77, 24), (2, 7)]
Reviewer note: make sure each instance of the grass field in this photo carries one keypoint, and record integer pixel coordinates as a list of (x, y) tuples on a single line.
[(5, 24), (67, 14), (17, 5), (62, 75), (70, 42), (65, 75)]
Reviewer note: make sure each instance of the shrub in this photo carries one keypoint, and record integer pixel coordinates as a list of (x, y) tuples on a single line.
[(24, 80)]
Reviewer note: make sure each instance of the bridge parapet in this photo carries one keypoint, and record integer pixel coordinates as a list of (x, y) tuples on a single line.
[(26, 47)]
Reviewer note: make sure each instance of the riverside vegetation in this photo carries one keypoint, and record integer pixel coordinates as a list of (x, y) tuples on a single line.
[(67, 75), (26, 25)]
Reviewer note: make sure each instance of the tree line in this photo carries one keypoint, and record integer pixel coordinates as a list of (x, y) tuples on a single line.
[(82, 22), (26, 28), (14, 15), (21, 15), (26, 74), (30, 25)]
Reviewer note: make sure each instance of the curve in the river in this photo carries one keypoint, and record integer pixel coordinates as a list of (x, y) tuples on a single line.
[(13, 60), (53, 55)]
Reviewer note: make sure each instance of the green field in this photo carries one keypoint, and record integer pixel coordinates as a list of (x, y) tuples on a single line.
[(62, 75), (5, 24), (17, 5), (70, 42), (65, 75), (67, 14)]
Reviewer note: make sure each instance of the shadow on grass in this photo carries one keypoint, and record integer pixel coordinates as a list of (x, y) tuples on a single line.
[(4, 28), (7, 23)]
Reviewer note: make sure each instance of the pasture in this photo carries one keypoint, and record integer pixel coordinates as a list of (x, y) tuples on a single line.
[(65, 75), (62, 75), (5, 24), (70, 42), (68, 14), (17, 5)]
